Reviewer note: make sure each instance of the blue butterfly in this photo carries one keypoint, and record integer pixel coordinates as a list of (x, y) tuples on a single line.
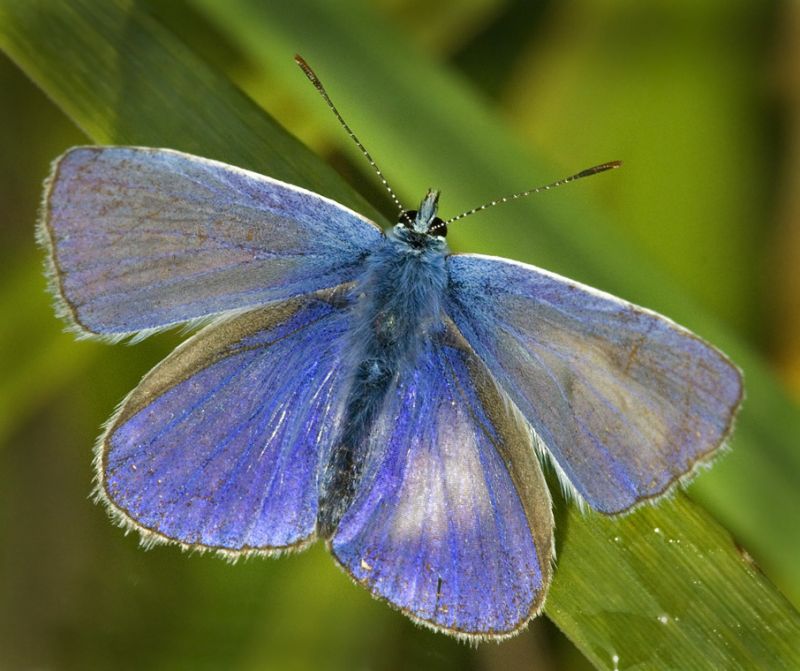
[(362, 387)]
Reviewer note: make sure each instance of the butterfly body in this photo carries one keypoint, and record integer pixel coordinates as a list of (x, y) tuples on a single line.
[(397, 305)]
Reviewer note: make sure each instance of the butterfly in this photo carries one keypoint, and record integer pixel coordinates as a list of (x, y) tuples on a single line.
[(365, 388)]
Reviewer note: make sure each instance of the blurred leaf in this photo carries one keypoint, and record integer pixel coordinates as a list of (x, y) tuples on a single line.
[(443, 26), (782, 265), (683, 114), (41, 361), (116, 99), (673, 590)]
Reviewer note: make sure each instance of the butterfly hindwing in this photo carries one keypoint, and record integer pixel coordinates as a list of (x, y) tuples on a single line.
[(142, 238), (625, 401), (219, 445), (452, 519)]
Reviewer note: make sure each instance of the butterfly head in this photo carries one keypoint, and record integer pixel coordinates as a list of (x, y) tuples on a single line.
[(424, 220)]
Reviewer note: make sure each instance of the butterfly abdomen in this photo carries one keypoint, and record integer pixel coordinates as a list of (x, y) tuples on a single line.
[(398, 304)]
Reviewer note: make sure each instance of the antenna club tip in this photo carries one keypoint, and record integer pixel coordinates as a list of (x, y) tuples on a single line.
[(305, 67), (611, 165)]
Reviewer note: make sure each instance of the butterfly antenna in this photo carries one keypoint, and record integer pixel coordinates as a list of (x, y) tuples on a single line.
[(312, 77), (611, 165)]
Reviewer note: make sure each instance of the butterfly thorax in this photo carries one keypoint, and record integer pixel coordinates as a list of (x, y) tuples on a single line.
[(397, 307)]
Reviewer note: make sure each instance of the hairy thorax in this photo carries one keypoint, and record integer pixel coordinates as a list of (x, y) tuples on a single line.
[(399, 300)]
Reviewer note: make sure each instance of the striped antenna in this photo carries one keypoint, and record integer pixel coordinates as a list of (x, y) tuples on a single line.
[(522, 194), (312, 77)]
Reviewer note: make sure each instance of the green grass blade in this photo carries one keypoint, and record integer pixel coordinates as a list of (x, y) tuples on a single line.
[(668, 589), (679, 597), (112, 82)]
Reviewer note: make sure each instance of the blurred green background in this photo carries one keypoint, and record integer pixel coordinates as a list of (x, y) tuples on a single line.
[(480, 98)]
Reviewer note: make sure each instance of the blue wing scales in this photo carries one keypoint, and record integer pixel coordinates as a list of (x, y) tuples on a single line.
[(625, 401), (219, 445), (452, 519), (140, 239)]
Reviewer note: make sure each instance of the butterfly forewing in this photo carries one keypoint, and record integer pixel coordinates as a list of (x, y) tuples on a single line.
[(452, 520), (625, 401), (144, 238), (219, 445)]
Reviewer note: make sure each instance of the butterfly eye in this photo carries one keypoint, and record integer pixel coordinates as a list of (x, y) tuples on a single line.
[(407, 218), (438, 227)]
